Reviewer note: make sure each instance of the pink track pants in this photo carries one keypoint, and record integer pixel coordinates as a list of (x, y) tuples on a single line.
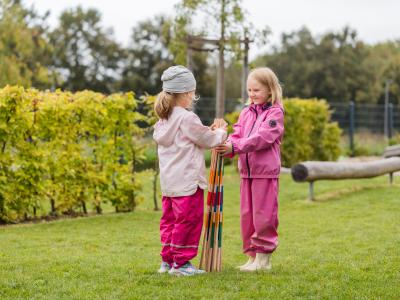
[(259, 214), (180, 227)]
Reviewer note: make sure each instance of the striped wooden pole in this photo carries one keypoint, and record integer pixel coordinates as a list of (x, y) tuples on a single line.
[(211, 255)]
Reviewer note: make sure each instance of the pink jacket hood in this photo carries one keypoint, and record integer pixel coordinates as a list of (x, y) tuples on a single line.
[(166, 130)]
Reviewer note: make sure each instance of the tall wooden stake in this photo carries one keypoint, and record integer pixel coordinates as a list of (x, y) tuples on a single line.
[(220, 101), (245, 70)]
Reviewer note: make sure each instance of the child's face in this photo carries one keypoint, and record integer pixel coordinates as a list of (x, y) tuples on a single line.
[(187, 101), (257, 92)]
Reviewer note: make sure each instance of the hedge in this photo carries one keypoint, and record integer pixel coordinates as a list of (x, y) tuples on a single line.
[(64, 153)]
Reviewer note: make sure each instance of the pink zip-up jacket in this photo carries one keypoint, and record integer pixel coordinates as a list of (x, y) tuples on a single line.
[(257, 138), (181, 141)]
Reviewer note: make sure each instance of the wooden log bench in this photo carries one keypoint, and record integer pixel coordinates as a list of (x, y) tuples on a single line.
[(392, 151), (311, 171)]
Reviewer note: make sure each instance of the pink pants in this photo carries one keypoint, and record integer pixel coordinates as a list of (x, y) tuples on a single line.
[(259, 214), (180, 227)]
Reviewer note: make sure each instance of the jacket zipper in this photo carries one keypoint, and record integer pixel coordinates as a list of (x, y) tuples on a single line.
[(247, 154)]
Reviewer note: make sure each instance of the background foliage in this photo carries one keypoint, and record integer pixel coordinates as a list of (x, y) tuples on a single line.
[(62, 151), (80, 53)]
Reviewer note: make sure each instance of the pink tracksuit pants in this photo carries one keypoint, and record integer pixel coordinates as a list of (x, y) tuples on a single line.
[(180, 227), (259, 214)]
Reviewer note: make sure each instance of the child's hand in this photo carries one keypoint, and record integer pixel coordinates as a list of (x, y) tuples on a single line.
[(225, 148), (219, 123)]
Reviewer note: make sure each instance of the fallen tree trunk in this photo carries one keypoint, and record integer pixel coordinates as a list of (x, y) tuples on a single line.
[(392, 151), (317, 170)]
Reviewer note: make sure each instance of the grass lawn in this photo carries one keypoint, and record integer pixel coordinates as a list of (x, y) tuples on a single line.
[(346, 245)]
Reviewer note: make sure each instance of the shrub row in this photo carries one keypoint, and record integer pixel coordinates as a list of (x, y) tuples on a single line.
[(64, 153)]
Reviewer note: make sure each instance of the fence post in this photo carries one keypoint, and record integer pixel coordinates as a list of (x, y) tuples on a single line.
[(388, 82), (351, 128), (390, 129)]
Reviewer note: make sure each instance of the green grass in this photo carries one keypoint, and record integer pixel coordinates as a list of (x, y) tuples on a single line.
[(343, 246)]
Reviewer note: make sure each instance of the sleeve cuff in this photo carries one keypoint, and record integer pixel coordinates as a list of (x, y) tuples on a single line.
[(232, 154)]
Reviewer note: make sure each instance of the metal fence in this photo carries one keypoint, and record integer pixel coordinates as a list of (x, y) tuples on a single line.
[(366, 117)]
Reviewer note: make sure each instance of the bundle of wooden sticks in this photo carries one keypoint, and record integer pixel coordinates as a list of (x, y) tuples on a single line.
[(211, 256)]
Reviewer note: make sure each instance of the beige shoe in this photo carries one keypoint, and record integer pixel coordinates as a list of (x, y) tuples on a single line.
[(249, 262), (261, 263)]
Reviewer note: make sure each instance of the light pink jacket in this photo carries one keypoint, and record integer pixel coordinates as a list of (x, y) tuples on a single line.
[(257, 138), (181, 140)]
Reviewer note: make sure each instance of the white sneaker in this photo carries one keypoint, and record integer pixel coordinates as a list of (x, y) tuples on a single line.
[(249, 262), (186, 270), (261, 263), (164, 268)]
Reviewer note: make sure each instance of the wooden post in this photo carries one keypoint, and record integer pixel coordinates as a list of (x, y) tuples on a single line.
[(245, 70), (220, 93), (189, 58), (196, 44)]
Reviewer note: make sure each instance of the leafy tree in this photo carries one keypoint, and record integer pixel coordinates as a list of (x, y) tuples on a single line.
[(85, 54), (384, 60), (341, 74), (333, 67), (25, 52), (146, 57), (224, 17)]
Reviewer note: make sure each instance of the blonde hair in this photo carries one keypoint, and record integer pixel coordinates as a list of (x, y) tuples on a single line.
[(165, 102), (267, 78)]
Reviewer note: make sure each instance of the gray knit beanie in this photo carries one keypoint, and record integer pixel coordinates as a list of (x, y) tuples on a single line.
[(178, 79)]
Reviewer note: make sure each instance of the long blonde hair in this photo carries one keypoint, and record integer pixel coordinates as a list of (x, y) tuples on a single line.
[(267, 78), (165, 102)]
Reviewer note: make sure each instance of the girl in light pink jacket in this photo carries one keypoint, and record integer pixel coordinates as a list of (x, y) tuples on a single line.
[(181, 138), (257, 138)]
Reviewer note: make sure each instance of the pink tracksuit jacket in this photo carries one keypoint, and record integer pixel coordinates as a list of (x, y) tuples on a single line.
[(181, 140), (256, 139)]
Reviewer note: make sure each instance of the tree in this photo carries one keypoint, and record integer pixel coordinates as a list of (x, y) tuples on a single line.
[(146, 57), (294, 62), (223, 16), (333, 66), (25, 52), (341, 74), (384, 61), (85, 54)]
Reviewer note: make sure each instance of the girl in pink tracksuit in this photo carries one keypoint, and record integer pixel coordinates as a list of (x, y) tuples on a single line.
[(257, 138), (181, 138)]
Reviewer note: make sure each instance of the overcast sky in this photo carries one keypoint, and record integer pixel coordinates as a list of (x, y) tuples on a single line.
[(375, 21)]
